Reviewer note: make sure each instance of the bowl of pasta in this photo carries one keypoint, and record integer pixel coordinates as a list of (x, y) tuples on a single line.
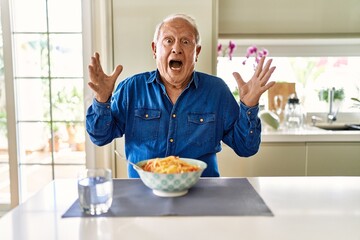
[(170, 176)]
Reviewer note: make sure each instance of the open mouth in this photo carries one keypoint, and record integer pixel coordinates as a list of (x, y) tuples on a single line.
[(175, 64)]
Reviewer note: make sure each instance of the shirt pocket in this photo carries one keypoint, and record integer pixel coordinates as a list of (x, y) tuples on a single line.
[(146, 124), (201, 128)]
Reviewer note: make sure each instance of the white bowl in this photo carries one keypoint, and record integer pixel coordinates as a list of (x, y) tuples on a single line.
[(171, 185)]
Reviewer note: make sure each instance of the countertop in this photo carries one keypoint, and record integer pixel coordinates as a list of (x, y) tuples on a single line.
[(304, 208), (308, 134)]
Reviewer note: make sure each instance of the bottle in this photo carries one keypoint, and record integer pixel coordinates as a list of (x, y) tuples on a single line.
[(293, 113)]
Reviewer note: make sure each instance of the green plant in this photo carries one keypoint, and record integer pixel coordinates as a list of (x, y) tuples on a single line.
[(339, 94), (69, 102), (236, 94), (356, 102)]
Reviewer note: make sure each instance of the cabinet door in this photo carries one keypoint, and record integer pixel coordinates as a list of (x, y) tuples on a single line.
[(273, 159), (333, 159)]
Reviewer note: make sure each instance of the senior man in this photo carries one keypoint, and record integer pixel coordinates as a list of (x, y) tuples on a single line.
[(176, 110)]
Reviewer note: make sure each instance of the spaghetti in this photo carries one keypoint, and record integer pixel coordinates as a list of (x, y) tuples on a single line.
[(169, 165)]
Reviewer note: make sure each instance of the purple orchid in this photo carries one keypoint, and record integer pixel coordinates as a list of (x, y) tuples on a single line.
[(254, 51), (230, 49), (219, 48)]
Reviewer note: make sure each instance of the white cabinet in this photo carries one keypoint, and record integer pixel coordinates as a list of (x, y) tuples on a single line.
[(273, 159), (333, 159), (294, 159)]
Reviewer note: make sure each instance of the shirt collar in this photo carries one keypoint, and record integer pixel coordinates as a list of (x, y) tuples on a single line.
[(194, 80)]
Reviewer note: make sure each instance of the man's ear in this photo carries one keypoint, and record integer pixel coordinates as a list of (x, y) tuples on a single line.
[(153, 47), (198, 50)]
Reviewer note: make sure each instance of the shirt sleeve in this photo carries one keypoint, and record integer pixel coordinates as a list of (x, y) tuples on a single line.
[(100, 124), (245, 137)]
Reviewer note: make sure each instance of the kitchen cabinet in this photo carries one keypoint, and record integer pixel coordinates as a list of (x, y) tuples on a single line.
[(333, 159), (273, 159), (294, 159)]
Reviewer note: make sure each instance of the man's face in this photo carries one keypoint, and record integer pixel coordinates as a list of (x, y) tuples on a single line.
[(176, 52)]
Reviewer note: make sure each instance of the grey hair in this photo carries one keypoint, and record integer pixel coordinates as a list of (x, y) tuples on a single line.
[(185, 17)]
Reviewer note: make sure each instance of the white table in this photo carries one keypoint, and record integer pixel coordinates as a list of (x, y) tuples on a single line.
[(304, 208)]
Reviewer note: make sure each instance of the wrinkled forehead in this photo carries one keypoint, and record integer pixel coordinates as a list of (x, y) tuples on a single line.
[(178, 26), (176, 22)]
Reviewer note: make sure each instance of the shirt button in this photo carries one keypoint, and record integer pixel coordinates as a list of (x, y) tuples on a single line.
[(251, 131), (248, 112), (108, 107), (174, 115), (171, 140), (146, 115), (201, 119)]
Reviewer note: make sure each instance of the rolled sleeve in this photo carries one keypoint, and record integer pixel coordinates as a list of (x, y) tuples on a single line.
[(247, 135), (251, 114), (101, 108), (98, 122)]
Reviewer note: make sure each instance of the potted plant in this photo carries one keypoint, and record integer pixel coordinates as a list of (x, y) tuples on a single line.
[(338, 94)]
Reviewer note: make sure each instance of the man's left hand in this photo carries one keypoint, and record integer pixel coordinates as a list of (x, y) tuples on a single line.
[(251, 91)]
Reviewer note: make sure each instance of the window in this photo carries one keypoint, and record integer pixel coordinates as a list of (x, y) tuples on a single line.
[(48, 90), (313, 68), (4, 155)]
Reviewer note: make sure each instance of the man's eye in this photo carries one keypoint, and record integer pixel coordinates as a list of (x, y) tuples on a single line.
[(186, 42), (168, 41)]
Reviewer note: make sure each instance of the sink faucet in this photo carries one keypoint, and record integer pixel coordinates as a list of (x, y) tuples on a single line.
[(331, 117)]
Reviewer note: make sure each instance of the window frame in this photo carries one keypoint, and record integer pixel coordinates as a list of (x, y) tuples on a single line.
[(12, 127)]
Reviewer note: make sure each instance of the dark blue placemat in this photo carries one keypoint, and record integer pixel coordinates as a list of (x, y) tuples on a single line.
[(209, 197)]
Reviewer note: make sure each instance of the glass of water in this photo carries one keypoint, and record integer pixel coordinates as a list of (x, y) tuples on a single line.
[(95, 187)]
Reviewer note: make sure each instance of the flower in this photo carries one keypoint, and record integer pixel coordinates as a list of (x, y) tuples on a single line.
[(254, 51), (228, 50)]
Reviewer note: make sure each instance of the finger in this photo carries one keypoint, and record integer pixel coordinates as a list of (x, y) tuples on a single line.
[(259, 66), (238, 79), (97, 58), (115, 74), (265, 70), (268, 86), (267, 76), (95, 61), (95, 65), (93, 86), (93, 74)]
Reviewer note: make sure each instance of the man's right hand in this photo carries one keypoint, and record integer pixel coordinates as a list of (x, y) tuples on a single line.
[(100, 83)]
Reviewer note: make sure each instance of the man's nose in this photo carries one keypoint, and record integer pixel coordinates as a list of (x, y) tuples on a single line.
[(176, 49)]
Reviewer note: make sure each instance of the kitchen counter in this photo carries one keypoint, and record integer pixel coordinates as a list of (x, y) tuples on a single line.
[(309, 134), (303, 207)]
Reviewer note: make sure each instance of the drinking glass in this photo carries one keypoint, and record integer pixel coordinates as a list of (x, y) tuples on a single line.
[(95, 188)]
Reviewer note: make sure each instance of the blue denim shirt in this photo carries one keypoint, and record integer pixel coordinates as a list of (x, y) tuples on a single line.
[(205, 114)]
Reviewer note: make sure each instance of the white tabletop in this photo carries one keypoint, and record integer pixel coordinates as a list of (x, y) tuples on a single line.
[(304, 208)]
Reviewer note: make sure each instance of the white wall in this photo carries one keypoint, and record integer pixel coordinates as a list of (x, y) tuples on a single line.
[(134, 24)]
